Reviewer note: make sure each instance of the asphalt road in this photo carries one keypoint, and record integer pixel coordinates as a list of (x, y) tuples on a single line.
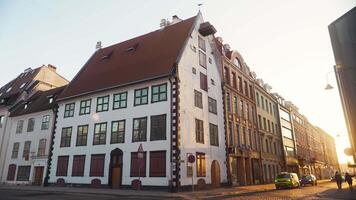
[(322, 191)]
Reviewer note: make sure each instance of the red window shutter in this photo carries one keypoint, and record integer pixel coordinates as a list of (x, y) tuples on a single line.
[(62, 166), (158, 164), (78, 165), (203, 82), (97, 165), (135, 163), (11, 172)]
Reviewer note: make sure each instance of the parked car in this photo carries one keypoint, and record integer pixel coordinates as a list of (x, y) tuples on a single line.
[(287, 180), (308, 179)]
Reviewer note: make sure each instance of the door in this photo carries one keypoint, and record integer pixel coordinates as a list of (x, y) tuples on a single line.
[(215, 174), (115, 178), (38, 175)]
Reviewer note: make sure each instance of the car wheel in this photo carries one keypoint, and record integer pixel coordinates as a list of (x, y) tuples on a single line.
[(316, 183), (312, 183), (277, 188)]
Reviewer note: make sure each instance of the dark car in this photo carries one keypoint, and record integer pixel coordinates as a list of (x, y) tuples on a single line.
[(308, 179)]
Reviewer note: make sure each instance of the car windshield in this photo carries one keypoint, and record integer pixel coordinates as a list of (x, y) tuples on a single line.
[(283, 176)]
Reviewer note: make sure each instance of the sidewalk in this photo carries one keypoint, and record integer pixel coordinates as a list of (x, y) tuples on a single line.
[(211, 193)]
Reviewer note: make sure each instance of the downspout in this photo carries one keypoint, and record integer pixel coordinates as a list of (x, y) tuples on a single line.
[(171, 141)]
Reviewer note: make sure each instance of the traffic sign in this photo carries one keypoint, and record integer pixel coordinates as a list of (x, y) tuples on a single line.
[(191, 158)]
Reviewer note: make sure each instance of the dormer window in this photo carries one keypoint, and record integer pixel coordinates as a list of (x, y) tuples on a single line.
[(0, 93), (25, 106), (22, 85), (2, 101), (237, 62), (9, 89), (50, 99)]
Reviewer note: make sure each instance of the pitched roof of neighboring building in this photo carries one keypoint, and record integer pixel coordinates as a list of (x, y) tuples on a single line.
[(142, 58), (15, 87), (38, 102)]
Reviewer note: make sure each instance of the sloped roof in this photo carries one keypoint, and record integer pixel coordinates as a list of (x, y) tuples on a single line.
[(142, 58), (24, 80), (38, 102)]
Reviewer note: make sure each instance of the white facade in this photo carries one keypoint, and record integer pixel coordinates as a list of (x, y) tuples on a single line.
[(188, 82), (4, 138), (34, 158), (127, 114)]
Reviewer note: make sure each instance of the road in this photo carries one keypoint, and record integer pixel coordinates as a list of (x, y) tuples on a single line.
[(322, 191)]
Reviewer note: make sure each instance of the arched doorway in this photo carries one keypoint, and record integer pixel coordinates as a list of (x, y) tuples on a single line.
[(215, 174), (115, 171)]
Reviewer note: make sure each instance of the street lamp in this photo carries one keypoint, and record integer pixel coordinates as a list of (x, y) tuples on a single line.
[(328, 86)]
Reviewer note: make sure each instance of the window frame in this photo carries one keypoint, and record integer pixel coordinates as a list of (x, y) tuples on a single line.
[(42, 147), (212, 106), (120, 100), (202, 59), (144, 139), (118, 132), (62, 171), (102, 104), (134, 158), (66, 139), (199, 131), (214, 134), (31, 126), (18, 131), (78, 167), (85, 107), (160, 125), (140, 96), (25, 174), (201, 164), (159, 93), (160, 161), (101, 140), (198, 99), (69, 110), (96, 172), (45, 122), (15, 151), (81, 134)]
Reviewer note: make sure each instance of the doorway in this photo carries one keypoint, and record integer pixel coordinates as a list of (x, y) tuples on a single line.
[(115, 171), (38, 175), (215, 174)]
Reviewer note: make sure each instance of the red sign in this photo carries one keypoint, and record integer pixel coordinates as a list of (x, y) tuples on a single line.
[(191, 158), (140, 151)]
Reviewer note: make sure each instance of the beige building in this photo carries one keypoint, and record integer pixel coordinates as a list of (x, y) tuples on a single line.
[(268, 129)]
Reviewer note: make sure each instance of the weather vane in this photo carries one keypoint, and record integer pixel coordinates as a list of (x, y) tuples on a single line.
[(199, 5)]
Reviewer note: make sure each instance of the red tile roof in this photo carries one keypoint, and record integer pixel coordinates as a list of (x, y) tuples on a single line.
[(38, 102), (142, 58)]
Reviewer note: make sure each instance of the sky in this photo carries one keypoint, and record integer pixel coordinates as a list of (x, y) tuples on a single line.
[(286, 43)]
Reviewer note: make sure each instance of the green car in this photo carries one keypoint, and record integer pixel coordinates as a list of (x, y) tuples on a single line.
[(287, 180)]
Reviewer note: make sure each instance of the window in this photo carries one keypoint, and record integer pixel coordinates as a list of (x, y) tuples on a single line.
[(99, 133), (159, 93), (251, 91), (1, 120), (139, 129), (141, 96), (214, 135), (246, 88), (157, 163), (287, 133), (285, 115), (290, 151), (227, 75), (275, 148), (266, 103), (42, 147), (240, 84), (97, 165), (62, 166), (120, 100), (15, 150), (250, 138), (258, 99), (264, 124), (78, 165), (11, 172), (45, 122), (66, 137), (69, 110), (228, 102), (236, 106), (231, 134), (26, 150), (272, 127), (212, 105), (237, 62), (199, 131), (270, 108), (102, 104), (198, 99), (262, 102), (201, 169), (242, 109), (117, 132), (234, 80), (158, 127), (201, 44), (85, 106), (202, 59), (259, 121), (138, 165), (238, 135), (31, 124), (244, 135), (269, 125), (23, 173), (82, 135), (203, 82), (267, 149), (19, 126)]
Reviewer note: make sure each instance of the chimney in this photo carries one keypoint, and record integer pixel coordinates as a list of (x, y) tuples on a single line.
[(98, 45), (176, 19), (52, 67)]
